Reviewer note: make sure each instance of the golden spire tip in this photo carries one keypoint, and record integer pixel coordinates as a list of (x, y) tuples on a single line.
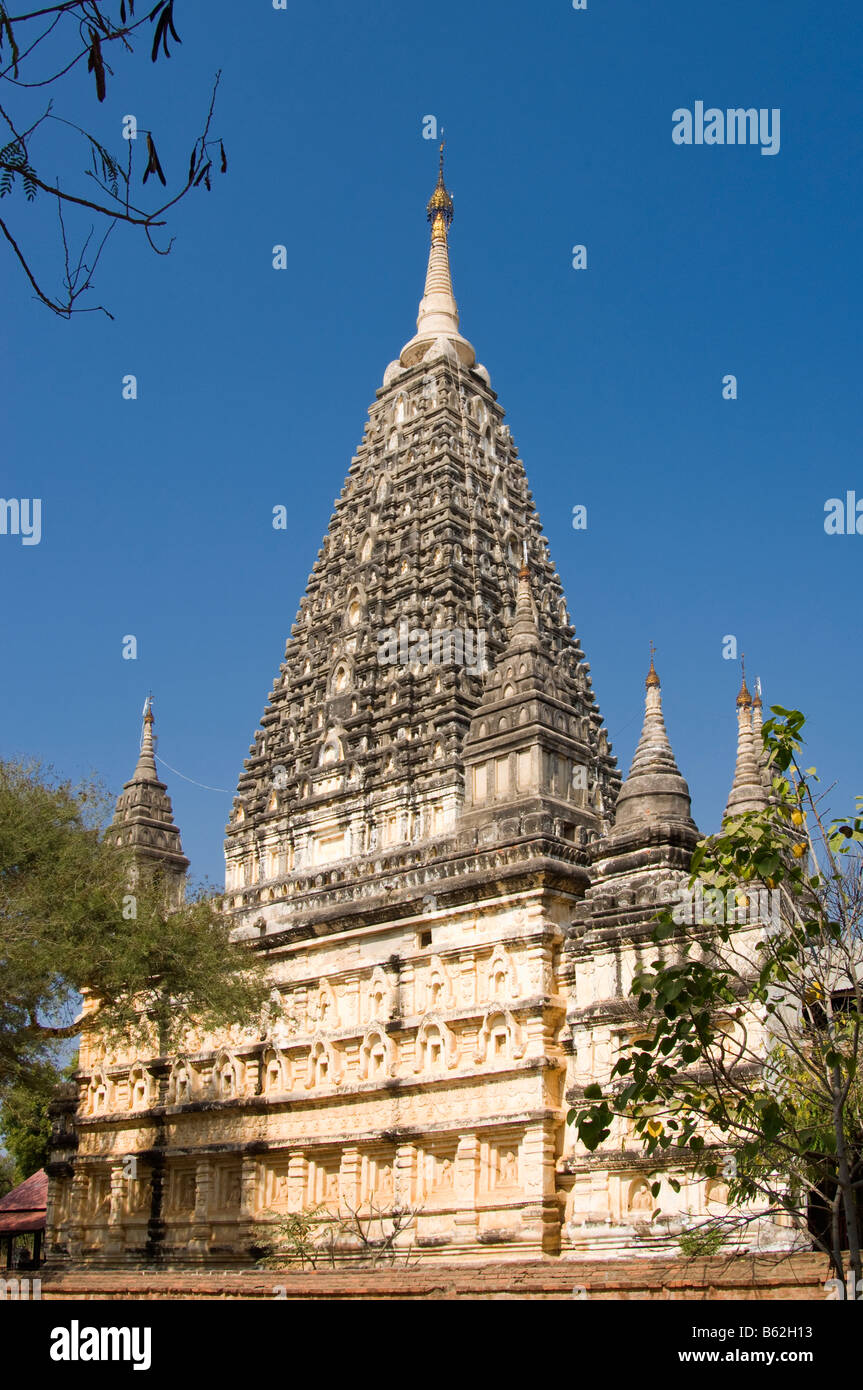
[(440, 208), (652, 677)]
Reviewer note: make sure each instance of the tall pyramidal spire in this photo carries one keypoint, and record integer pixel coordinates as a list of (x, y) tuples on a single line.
[(655, 789), (438, 313), (747, 790), (146, 770), (644, 861), (432, 586), (758, 741), (525, 629), (144, 817)]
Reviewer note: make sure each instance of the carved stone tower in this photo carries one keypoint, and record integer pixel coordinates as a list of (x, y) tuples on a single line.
[(410, 831), (422, 846), (637, 869), (144, 817), (363, 746)]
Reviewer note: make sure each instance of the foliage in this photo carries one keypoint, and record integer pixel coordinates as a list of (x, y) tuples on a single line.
[(44, 48), (296, 1239), (697, 1242), (150, 966), (25, 1125), (367, 1235), (751, 1036), (8, 1179)]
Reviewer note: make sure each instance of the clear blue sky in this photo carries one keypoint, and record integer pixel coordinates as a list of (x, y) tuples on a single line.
[(705, 516)]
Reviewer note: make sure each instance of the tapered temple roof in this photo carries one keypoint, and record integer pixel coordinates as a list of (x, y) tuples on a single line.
[(748, 791), (525, 629), (433, 594), (655, 789), (144, 817), (438, 313)]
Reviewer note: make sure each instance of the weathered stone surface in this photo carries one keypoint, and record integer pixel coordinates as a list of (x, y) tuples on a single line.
[(758, 1279)]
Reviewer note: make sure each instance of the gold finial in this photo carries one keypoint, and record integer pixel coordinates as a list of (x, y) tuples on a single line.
[(148, 710), (744, 699), (440, 208), (652, 677), (757, 702)]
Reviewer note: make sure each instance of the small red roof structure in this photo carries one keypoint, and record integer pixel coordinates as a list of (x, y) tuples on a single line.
[(22, 1211)]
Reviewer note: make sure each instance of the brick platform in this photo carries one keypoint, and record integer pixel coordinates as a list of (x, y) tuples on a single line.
[(743, 1279)]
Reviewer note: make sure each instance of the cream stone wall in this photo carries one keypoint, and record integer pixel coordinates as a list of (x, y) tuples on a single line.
[(384, 1071), (424, 1064)]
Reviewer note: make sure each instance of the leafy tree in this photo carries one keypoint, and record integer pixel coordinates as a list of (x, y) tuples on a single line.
[(7, 1173), (749, 1067), (52, 47), (25, 1125), (149, 965)]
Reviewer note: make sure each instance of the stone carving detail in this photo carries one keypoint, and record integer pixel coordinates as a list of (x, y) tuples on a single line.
[(323, 1007), (323, 1181), (142, 1090), (500, 1038), (377, 1056), (180, 1085), (501, 977), (324, 1065), (440, 1169), (275, 1072), (503, 1165), (98, 1195), (228, 1187), (438, 991), (436, 1049), (379, 997), (99, 1094), (640, 1197), (226, 1083), (182, 1191)]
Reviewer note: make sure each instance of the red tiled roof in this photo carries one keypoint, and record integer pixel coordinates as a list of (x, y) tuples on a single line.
[(23, 1209), (21, 1223), (31, 1195)]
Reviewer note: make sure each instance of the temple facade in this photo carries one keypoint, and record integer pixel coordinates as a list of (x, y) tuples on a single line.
[(431, 844)]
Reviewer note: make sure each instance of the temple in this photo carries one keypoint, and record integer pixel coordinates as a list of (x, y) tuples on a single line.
[(432, 844)]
